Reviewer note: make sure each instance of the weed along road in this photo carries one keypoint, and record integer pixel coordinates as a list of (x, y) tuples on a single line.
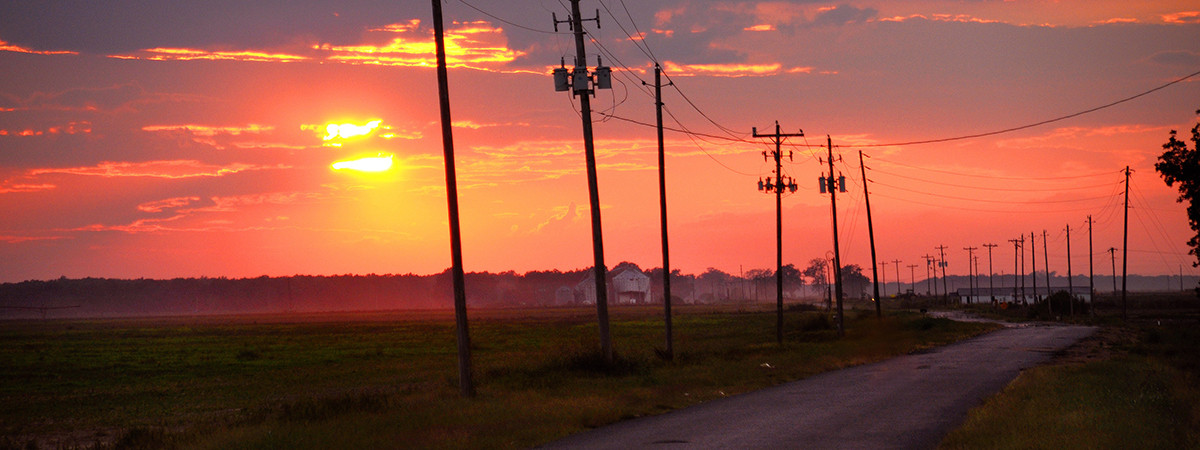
[(908, 402)]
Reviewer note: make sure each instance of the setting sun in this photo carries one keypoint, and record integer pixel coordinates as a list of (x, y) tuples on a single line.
[(349, 130), (369, 164)]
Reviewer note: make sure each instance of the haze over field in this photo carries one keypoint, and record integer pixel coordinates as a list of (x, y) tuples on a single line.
[(200, 139)]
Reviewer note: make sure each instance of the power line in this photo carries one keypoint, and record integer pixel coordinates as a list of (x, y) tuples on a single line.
[(997, 177), (523, 27), (1035, 124), (1015, 202), (988, 188)]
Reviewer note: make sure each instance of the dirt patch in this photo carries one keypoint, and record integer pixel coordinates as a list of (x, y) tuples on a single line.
[(1105, 343)]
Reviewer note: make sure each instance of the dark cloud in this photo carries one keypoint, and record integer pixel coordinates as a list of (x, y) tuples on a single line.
[(1177, 58), (107, 98), (844, 14), (128, 25)]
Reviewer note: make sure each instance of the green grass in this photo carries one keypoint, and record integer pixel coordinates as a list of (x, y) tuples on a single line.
[(387, 381), (1146, 397)]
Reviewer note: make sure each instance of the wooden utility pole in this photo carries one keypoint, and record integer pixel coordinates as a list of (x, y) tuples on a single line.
[(871, 235), (778, 186), (897, 263), (1070, 282), (662, 208), (1125, 253), (1033, 264), (883, 275), (942, 252), (581, 87), (1016, 255), (1091, 273), (971, 278), (1046, 259), (465, 386), (834, 185), (1112, 254), (991, 281), (912, 277), (929, 264)]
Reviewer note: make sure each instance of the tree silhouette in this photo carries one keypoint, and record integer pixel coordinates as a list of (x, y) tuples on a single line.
[(1179, 164)]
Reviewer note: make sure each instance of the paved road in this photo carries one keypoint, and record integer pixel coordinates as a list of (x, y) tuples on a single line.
[(908, 402)]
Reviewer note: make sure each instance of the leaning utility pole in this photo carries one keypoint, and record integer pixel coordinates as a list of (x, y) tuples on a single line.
[(465, 386), (942, 251), (580, 86), (991, 281), (971, 278), (778, 186), (871, 234), (834, 185), (662, 207), (1125, 252)]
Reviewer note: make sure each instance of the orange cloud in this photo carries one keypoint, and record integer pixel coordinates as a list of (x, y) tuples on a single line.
[(476, 125), (80, 127), (188, 54), (206, 130), (939, 18), (476, 45), (724, 70), (156, 169), (6, 47), (170, 203), (7, 188), (1183, 17), (762, 27)]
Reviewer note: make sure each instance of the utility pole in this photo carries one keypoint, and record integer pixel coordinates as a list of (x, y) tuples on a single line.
[(1091, 273), (1016, 255), (883, 275), (465, 386), (778, 186), (580, 87), (991, 281), (912, 277), (1033, 263), (942, 252), (871, 235), (662, 207), (897, 263), (1125, 253), (833, 186), (1046, 259), (929, 259), (971, 280), (1112, 253), (1070, 282)]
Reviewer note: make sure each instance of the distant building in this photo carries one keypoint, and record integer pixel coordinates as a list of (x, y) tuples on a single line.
[(1011, 295), (626, 286)]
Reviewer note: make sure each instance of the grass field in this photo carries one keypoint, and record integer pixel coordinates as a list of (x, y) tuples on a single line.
[(389, 380), (1136, 384)]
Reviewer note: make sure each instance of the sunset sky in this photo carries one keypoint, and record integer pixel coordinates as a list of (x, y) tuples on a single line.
[(186, 139)]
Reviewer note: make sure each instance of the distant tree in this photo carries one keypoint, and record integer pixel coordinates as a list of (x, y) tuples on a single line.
[(1179, 164), (854, 280), (793, 279), (817, 271)]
